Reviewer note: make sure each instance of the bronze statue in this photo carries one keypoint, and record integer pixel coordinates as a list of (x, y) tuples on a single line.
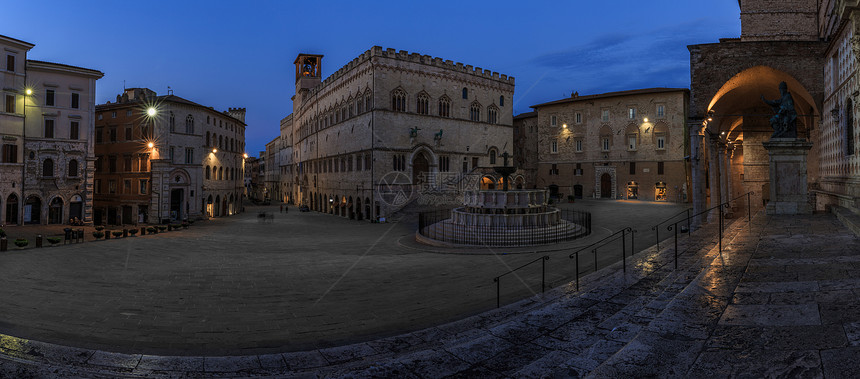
[(784, 122)]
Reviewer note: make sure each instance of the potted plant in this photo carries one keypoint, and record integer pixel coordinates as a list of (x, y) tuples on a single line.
[(21, 242), (162, 228), (116, 233), (570, 198), (54, 240), (98, 234), (2, 233), (151, 230), (185, 225), (132, 232), (100, 228)]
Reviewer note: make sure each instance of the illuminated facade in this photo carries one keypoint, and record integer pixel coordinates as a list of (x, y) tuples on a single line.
[(389, 121), (182, 161), (812, 46), (46, 126), (618, 145)]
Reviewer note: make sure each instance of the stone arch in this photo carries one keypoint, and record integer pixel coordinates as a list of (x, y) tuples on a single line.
[(493, 154), (33, 210), (488, 182), (428, 164), (12, 209), (55, 210), (76, 207)]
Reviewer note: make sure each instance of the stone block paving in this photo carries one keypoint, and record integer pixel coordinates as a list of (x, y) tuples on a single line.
[(781, 299)]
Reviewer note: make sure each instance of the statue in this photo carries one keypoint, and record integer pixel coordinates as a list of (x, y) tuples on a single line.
[(438, 136), (413, 132), (784, 122)]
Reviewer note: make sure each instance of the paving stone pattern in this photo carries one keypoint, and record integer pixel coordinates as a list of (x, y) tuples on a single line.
[(781, 299)]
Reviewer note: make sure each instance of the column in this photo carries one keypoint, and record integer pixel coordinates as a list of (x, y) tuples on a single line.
[(727, 174), (697, 171), (713, 174), (721, 154)]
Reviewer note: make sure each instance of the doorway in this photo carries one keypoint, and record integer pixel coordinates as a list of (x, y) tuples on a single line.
[(606, 186), (176, 199), (577, 191), (420, 167)]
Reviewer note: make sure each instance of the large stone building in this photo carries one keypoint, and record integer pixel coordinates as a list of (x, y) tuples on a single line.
[(388, 125), (46, 126), (526, 147), (812, 45), (617, 145), (165, 158)]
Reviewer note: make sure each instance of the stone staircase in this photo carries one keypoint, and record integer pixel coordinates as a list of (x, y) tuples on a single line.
[(652, 320)]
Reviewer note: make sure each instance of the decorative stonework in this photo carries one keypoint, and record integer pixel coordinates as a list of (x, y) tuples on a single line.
[(598, 172)]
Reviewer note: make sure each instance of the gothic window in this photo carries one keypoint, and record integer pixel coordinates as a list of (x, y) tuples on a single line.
[(492, 114), (444, 106), (422, 104), (475, 112), (398, 100), (501, 101), (48, 168), (492, 156), (368, 101), (208, 173), (465, 93), (359, 105), (189, 124)]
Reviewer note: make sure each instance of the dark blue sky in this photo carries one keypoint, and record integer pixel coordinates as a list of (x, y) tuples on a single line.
[(240, 53)]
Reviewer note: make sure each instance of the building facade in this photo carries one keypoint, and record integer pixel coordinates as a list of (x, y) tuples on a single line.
[(46, 171), (812, 46), (618, 145), (388, 125), (164, 158), (526, 147)]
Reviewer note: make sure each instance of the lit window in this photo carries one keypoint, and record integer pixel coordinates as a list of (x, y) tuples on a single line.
[(631, 142), (631, 113), (661, 142)]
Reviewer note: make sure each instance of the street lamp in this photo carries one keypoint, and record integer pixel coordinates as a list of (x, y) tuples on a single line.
[(150, 111), (28, 91)]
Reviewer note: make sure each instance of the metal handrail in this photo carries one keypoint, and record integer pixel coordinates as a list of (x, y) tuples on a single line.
[(721, 226), (595, 246), (542, 280), (656, 228)]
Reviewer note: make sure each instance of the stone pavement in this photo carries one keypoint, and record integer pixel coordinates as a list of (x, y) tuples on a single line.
[(781, 299)]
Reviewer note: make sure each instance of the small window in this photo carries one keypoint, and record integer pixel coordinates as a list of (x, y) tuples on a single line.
[(659, 168), (112, 134), (554, 146), (99, 136), (76, 100), (171, 154), (422, 104), (605, 144), (661, 110), (492, 156), (189, 155), (126, 163), (631, 142), (74, 130), (465, 93), (632, 168), (49, 128), (554, 169), (604, 115), (142, 186), (126, 186), (661, 142), (128, 113), (101, 117), (112, 186), (492, 115), (444, 107), (113, 114), (49, 98), (97, 186), (10, 63), (501, 101), (128, 134), (578, 143), (475, 112), (553, 120), (10, 153), (10, 103), (631, 113), (189, 124), (578, 118)]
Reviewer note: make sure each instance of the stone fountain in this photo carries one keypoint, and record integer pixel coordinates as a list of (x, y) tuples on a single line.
[(506, 217)]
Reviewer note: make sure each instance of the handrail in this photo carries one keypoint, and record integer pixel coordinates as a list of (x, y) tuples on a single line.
[(656, 228), (721, 227), (542, 281), (623, 232)]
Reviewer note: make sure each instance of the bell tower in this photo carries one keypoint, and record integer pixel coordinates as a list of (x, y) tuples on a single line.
[(308, 68)]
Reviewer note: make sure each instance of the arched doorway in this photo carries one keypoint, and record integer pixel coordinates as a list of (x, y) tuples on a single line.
[(606, 186), (55, 211), (367, 208), (217, 212), (12, 209), (33, 210), (420, 168), (177, 197), (76, 207), (358, 209), (520, 182), (210, 209), (553, 190), (577, 191), (350, 208)]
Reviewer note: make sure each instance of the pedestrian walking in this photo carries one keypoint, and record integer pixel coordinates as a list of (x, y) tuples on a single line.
[(282, 209)]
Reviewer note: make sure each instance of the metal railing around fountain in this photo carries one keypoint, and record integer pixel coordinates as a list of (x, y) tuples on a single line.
[(437, 226)]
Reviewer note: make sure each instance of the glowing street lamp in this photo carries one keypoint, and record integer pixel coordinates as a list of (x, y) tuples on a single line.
[(150, 111), (28, 91), (150, 145), (214, 150), (245, 155)]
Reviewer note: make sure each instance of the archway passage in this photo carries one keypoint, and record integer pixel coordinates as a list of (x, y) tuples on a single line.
[(55, 211), (606, 186), (76, 208), (420, 168), (12, 209), (177, 197), (33, 210)]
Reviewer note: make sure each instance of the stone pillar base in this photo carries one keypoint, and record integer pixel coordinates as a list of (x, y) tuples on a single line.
[(788, 187)]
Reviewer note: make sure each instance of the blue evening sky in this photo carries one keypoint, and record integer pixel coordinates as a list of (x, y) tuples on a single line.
[(240, 53)]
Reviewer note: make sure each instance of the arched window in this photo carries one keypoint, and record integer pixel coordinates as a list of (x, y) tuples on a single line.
[(368, 101), (422, 104), (207, 139), (398, 100), (492, 156), (444, 106), (172, 122), (220, 173), (189, 124), (221, 142), (475, 112), (359, 105), (208, 176), (492, 114), (465, 93), (501, 101), (73, 168), (48, 168)]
